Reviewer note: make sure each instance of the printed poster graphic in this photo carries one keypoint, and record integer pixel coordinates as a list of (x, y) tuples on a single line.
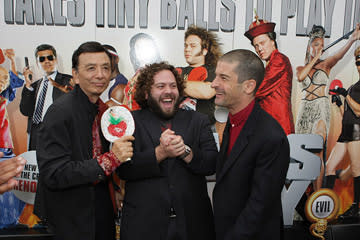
[(100, 21)]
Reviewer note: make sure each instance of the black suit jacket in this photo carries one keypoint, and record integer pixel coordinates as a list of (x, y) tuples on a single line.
[(152, 189), (28, 101), (247, 194), (75, 196)]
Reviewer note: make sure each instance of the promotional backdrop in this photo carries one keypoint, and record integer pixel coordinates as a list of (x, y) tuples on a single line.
[(65, 24)]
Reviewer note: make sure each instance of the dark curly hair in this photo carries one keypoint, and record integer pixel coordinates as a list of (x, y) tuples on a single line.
[(209, 41), (145, 81)]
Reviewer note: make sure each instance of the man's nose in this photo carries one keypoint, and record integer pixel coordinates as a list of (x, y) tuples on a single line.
[(100, 73), (168, 89), (214, 83)]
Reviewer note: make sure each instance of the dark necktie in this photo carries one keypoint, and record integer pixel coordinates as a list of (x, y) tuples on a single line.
[(40, 104)]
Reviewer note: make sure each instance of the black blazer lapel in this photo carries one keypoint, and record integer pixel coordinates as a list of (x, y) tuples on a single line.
[(151, 125), (57, 92), (240, 143), (37, 87), (238, 147), (180, 123), (223, 149)]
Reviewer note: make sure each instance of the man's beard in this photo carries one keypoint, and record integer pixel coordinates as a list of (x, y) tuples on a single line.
[(155, 107)]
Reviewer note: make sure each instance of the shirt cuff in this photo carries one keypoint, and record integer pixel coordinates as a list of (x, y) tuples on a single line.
[(108, 162)]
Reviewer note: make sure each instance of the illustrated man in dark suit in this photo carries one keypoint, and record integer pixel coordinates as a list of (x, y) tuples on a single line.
[(254, 156), (165, 193), (57, 85)]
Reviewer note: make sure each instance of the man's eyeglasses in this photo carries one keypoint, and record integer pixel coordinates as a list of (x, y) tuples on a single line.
[(357, 63), (42, 58)]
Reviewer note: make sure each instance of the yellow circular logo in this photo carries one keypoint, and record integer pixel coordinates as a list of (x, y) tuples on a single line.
[(321, 207), (322, 204)]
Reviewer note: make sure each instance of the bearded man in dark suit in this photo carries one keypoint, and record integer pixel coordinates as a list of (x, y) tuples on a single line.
[(174, 149)]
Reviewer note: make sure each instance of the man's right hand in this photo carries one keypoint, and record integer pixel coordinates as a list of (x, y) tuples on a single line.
[(122, 148), (161, 150), (26, 73)]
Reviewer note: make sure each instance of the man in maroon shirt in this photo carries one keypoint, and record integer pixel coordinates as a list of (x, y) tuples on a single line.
[(254, 155)]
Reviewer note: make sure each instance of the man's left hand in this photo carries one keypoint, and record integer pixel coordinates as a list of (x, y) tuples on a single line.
[(176, 147), (122, 148)]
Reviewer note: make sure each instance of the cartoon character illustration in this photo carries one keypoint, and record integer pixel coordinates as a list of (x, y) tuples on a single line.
[(143, 50), (314, 111), (10, 207), (9, 81)]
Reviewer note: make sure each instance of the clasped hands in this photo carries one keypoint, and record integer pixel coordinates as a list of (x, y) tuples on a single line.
[(171, 145)]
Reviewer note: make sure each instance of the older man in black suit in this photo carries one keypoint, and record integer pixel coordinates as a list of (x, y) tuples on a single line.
[(166, 194), (254, 155), (75, 160)]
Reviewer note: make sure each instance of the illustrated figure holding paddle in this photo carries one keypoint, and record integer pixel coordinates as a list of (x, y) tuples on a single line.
[(314, 113)]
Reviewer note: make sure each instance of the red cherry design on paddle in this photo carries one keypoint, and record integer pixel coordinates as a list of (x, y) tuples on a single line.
[(117, 126), (117, 130)]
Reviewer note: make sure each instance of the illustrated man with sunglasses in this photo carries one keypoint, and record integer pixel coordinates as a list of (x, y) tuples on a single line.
[(37, 96)]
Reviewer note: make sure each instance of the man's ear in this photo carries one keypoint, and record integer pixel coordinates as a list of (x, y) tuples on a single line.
[(273, 44), (249, 86), (204, 51), (75, 76)]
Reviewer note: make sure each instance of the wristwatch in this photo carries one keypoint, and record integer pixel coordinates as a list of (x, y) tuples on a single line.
[(186, 153)]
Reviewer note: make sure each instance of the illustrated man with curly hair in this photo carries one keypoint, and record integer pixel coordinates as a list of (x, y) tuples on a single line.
[(166, 194), (201, 52)]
